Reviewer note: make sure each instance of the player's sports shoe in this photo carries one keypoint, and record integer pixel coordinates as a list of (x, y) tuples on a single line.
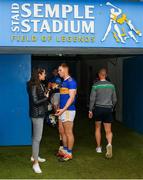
[(109, 151), (66, 158), (61, 153), (99, 149), (39, 159)]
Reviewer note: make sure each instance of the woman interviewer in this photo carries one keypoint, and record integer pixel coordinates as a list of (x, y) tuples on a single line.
[(38, 104)]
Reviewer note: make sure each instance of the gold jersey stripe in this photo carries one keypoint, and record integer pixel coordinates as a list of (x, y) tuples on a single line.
[(64, 91)]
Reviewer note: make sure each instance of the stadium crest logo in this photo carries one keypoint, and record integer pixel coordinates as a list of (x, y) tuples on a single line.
[(120, 26)]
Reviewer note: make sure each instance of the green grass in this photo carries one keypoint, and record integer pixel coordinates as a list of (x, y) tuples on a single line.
[(126, 163)]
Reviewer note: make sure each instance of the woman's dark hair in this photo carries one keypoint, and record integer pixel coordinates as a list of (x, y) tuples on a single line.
[(34, 80)]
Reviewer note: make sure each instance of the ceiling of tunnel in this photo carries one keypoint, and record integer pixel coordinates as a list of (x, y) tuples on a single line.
[(62, 51)]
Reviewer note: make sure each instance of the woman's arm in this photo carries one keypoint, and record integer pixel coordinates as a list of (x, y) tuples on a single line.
[(35, 97)]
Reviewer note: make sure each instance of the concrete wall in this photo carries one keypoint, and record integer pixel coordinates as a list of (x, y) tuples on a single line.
[(133, 93), (115, 71)]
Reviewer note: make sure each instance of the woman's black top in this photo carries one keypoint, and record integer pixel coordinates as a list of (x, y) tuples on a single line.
[(37, 101)]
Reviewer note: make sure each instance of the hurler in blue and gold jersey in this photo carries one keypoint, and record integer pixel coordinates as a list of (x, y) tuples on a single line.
[(68, 84)]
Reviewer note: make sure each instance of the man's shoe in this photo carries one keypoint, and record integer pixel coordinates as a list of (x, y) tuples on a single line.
[(36, 168), (39, 159), (99, 149), (61, 153), (109, 151), (66, 158)]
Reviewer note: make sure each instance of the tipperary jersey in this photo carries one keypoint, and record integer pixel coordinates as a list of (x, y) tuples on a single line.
[(67, 85)]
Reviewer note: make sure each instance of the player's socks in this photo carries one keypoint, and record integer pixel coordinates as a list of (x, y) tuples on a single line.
[(65, 148), (69, 151)]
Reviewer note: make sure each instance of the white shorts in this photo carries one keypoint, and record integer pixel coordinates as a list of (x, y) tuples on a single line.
[(68, 116)]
